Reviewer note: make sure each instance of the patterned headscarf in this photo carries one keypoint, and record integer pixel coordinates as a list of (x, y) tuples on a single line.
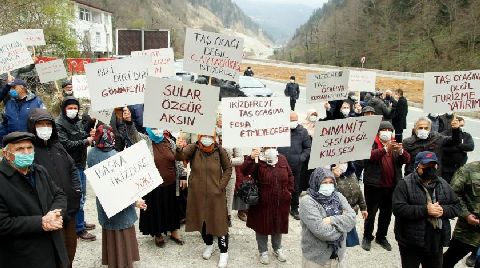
[(104, 138)]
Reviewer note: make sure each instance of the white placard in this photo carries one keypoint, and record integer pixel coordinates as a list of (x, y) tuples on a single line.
[(51, 71), (180, 105), (327, 86), (256, 122), (80, 86), (451, 91), (362, 80), (213, 54), (104, 116), (13, 52), (33, 37), (124, 178), (162, 61), (343, 140), (117, 83)]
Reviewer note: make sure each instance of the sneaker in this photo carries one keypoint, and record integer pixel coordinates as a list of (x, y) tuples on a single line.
[(470, 262), (294, 213), (207, 253), (366, 244), (222, 262), (90, 226), (280, 255), (86, 236), (264, 258), (383, 242)]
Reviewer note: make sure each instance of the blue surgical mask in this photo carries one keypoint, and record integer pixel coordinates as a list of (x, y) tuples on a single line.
[(23, 160), (155, 136), (13, 93), (326, 189)]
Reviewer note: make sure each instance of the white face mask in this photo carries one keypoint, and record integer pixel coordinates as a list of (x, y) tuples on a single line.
[(218, 130), (345, 112), (423, 134), (343, 167), (271, 154), (157, 132), (326, 189), (44, 133), (72, 113), (292, 81), (385, 135), (293, 124), (313, 118), (206, 141)]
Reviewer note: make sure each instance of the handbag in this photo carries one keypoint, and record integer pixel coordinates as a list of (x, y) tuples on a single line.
[(248, 192)]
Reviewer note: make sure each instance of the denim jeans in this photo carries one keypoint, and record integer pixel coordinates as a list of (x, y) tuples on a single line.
[(80, 218)]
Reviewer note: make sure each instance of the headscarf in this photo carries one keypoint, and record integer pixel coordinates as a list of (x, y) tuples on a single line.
[(331, 203), (154, 138), (309, 125), (204, 148), (104, 138)]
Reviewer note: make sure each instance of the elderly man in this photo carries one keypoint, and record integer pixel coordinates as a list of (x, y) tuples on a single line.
[(297, 154), (31, 209), (18, 107), (424, 139), (423, 203)]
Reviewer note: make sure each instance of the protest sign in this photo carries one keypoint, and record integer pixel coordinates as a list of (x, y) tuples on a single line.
[(124, 178), (163, 61), (117, 83), (361, 80), (103, 115), (13, 52), (178, 105), (51, 71), (327, 86), (80, 87), (256, 122), (33, 37), (343, 140), (451, 91), (213, 54)]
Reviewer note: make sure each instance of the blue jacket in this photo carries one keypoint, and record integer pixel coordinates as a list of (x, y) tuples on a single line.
[(15, 115), (123, 219)]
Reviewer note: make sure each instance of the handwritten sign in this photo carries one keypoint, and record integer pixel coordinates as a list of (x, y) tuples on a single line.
[(117, 83), (327, 86), (80, 86), (13, 52), (213, 54), (103, 115), (124, 178), (452, 91), (343, 140), (256, 122), (51, 71), (361, 80), (163, 61), (179, 105), (33, 37)]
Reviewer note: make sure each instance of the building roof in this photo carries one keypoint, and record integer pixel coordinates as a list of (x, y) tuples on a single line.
[(91, 5)]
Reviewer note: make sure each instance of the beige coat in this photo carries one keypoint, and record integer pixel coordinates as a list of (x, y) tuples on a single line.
[(210, 173)]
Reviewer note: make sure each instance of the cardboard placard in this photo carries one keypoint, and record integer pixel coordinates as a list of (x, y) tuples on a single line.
[(80, 86), (343, 140), (361, 80), (327, 86), (51, 71), (180, 105), (163, 61), (213, 54), (256, 122), (104, 116), (451, 91), (124, 178), (117, 83), (13, 52), (33, 37)]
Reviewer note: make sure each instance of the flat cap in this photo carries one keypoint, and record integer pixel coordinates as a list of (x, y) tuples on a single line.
[(16, 137), (367, 109)]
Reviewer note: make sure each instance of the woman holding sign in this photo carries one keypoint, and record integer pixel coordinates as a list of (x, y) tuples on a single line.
[(119, 241), (211, 170)]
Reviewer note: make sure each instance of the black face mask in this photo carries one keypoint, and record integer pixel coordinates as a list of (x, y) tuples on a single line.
[(429, 173)]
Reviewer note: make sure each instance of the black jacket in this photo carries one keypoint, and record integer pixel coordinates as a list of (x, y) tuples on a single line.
[(55, 159), (434, 143), (380, 107), (409, 204), (23, 243), (73, 136), (457, 154), (292, 90), (399, 117), (298, 152), (125, 133)]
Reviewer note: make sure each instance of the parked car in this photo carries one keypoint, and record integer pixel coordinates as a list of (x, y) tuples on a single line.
[(252, 87), (181, 74)]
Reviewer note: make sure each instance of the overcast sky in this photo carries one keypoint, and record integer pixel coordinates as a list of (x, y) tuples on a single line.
[(312, 3)]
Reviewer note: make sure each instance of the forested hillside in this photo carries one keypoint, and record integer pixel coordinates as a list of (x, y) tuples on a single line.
[(405, 35)]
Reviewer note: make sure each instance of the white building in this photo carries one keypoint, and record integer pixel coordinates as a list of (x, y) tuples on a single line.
[(93, 28)]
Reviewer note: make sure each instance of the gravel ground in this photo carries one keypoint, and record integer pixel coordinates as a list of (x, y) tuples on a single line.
[(242, 248)]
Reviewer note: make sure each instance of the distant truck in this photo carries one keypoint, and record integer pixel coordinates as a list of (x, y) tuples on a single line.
[(129, 40)]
